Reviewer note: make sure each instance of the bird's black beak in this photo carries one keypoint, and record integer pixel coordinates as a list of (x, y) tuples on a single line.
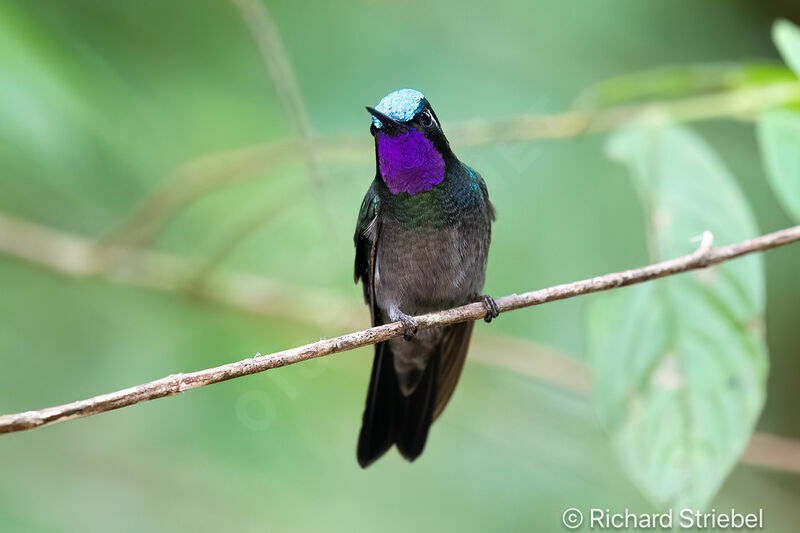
[(388, 125)]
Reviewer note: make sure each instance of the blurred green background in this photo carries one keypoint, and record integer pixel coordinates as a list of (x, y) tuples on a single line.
[(104, 103)]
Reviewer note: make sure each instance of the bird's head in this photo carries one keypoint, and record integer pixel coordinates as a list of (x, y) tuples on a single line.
[(411, 147), (404, 110)]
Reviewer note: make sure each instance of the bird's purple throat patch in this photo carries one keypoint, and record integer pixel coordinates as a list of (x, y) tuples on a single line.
[(409, 162)]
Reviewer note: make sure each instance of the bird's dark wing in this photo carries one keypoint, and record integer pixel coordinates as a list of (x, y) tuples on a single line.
[(383, 394), (453, 352), (366, 241)]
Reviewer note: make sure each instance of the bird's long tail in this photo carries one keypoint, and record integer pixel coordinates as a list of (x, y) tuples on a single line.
[(393, 418)]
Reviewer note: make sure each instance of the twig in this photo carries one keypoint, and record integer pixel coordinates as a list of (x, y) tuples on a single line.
[(73, 255), (773, 451), (217, 171), (549, 366), (743, 102), (672, 81), (236, 237), (177, 383), (194, 180), (267, 37)]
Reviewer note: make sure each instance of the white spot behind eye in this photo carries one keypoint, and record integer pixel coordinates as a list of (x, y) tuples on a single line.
[(426, 118)]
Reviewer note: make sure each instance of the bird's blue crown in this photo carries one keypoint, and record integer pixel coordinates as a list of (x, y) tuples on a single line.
[(400, 105)]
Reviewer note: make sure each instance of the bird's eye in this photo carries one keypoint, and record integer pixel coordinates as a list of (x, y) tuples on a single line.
[(425, 118)]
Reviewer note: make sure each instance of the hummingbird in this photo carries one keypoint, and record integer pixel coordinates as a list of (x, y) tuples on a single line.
[(422, 242)]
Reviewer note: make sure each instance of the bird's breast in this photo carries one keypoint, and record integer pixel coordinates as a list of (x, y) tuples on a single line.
[(429, 268)]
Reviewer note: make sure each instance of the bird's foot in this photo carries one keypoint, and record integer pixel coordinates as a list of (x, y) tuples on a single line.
[(492, 309), (409, 324)]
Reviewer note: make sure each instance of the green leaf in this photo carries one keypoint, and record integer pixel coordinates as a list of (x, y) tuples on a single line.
[(680, 364), (779, 137), (787, 38)]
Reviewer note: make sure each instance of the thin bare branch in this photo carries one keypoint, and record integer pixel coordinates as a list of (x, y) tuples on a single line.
[(171, 385), (773, 451), (236, 237), (214, 172), (72, 255), (194, 180), (229, 168), (550, 366), (266, 35), (524, 357), (739, 103)]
